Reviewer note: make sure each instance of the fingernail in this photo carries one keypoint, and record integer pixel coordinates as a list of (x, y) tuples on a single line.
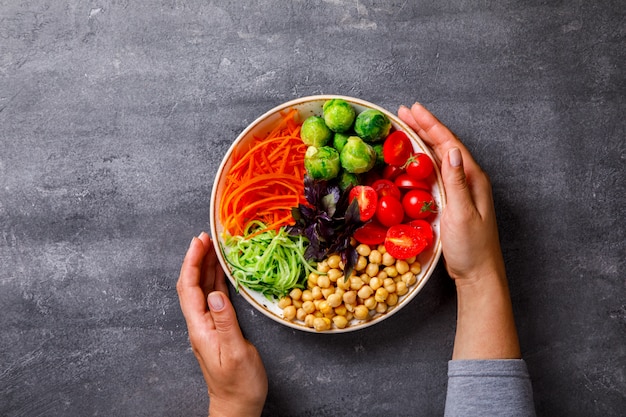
[(192, 239), (216, 302), (455, 157)]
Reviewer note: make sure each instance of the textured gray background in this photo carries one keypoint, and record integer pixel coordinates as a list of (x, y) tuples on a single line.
[(114, 116)]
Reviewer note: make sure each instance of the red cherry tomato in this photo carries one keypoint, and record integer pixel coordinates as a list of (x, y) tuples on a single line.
[(419, 166), (391, 172), (425, 229), (389, 211), (404, 241), (406, 182), (385, 187), (418, 204), (397, 148), (366, 198), (371, 233)]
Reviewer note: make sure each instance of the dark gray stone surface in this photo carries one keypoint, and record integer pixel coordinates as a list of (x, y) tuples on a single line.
[(114, 116)]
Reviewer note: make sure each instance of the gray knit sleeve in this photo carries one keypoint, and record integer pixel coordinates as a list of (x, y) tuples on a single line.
[(489, 388)]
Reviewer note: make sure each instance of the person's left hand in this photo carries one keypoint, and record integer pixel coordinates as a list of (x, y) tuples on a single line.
[(232, 367)]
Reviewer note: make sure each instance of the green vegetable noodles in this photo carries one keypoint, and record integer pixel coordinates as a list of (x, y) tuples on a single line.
[(271, 262)]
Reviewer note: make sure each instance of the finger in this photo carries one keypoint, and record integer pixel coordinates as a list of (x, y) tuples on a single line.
[(190, 294), (207, 276), (225, 320), (458, 193)]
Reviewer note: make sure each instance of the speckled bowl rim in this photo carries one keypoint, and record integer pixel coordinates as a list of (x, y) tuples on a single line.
[(307, 106)]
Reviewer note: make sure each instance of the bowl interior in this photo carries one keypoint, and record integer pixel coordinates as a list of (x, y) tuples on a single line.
[(262, 126)]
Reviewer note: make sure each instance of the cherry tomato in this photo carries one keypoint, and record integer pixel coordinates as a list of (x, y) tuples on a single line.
[(397, 148), (391, 172), (418, 204), (385, 187), (371, 233), (407, 182), (404, 241), (366, 198), (425, 229), (389, 211), (419, 166)]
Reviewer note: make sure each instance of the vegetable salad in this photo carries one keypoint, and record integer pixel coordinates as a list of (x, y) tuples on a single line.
[(311, 211)]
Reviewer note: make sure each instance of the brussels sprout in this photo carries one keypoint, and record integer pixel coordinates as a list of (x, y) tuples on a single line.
[(347, 179), (380, 157), (357, 156), (339, 141), (314, 132), (338, 115), (321, 163), (372, 125)]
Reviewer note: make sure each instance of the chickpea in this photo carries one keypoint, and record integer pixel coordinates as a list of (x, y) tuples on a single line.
[(301, 314), (371, 270), (363, 250), (416, 268), (284, 302), (334, 274), (402, 266), (343, 284), (340, 321), (326, 292), (312, 281), (375, 283), (381, 249), (308, 307), (392, 299), (308, 320), (361, 312), (334, 300), (333, 261), (390, 285), (388, 260), (381, 294), (376, 257), (349, 297), (289, 313), (365, 292), (411, 260), (324, 307), (323, 267), (341, 310), (381, 308), (296, 294), (316, 293), (323, 281), (361, 263), (350, 307), (356, 283), (370, 303), (409, 279), (401, 288), (382, 275), (391, 271), (297, 303), (321, 324)]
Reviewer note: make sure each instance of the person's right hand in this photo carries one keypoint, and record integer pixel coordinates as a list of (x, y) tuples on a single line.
[(471, 248), (469, 232)]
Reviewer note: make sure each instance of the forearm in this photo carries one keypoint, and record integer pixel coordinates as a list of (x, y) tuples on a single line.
[(485, 324)]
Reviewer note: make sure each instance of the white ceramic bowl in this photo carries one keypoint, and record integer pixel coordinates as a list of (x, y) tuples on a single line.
[(306, 107)]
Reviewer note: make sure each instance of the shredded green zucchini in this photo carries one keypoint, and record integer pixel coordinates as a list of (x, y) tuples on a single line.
[(271, 263)]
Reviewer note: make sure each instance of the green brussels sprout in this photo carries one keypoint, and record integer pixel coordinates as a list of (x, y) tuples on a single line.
[(338, 115), (321, 163), (380, 157), (339, 140), (347, 179), (372, 125), (357, 156), (314, 132)]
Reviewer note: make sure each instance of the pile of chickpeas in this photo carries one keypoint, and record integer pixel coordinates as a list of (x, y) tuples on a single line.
[(375, 285)]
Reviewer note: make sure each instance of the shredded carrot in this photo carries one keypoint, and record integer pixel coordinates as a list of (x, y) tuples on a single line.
[(266, 180)]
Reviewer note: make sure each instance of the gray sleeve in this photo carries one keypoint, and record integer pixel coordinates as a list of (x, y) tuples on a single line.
[(489, 388)]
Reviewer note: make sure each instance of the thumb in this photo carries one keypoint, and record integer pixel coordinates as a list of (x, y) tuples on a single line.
[(224, 318), (455, 181)]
